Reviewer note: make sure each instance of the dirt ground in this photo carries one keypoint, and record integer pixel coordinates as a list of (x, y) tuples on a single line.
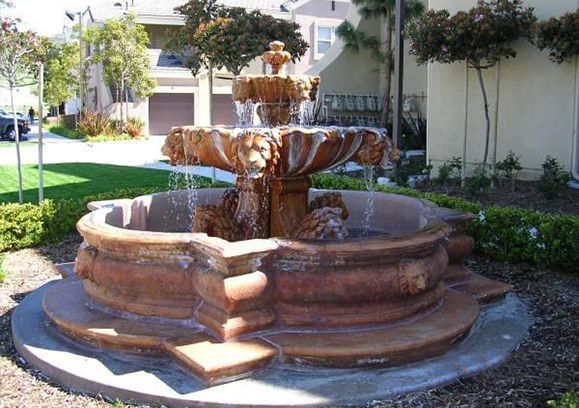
[(526, 195), (544, 366)]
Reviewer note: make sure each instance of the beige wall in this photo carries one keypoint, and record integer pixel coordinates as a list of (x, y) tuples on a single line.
[(537, 104), (345, 71), (311, 15)]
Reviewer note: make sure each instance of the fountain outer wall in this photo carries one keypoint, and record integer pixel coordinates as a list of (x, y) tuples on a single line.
[(242, 287)]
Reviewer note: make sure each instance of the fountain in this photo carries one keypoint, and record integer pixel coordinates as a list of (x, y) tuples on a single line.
[(272, 273)]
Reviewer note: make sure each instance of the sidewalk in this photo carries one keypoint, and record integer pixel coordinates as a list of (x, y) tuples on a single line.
[(58, 149), (220, 175), (48, 137)]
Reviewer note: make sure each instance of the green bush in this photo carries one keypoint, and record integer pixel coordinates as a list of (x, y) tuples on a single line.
[(568, 400), (503, 233), (3, 272), (26, 225), (554, 179), (134, 127)]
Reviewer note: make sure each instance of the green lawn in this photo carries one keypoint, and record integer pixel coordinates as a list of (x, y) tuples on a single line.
[(4, 143), (73, 180), (64, 131)]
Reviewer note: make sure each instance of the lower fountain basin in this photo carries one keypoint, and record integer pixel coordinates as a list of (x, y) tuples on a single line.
[(136, 260)]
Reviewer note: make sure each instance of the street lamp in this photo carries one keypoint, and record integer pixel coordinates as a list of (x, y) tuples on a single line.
[(71, 15)]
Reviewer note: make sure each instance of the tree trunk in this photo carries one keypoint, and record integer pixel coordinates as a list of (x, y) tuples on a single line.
[(213, 171), (487, 117), (127, 102), (387, 72), (17, 139), (496, 124), (121, 102), (466, 83)]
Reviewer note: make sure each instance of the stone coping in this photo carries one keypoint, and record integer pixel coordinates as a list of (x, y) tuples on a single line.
[(500, 328)]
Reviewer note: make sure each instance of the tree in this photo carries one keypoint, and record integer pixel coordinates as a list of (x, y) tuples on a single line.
[(216, 36), (61, 73), (481, 37), (19, 53), (121, 46), (560, 36), (356, 39)]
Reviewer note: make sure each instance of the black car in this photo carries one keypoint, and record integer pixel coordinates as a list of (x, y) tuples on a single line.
[(7, 127)]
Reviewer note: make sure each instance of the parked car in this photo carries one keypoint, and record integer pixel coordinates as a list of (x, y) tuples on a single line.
[(7, 127)]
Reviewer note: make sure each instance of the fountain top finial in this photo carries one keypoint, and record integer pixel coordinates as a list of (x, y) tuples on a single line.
[(276, 57)]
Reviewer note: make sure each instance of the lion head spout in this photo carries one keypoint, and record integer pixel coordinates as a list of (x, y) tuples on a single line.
[(376, 149), (256, 152), (173, 147)]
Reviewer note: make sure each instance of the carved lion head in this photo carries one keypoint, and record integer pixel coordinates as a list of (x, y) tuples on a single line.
[(255, 153), (173, 147)]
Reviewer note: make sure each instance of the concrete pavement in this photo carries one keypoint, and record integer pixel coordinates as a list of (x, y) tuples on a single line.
[(58, 149)]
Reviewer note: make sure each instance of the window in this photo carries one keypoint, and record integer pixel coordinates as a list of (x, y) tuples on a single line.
[(324, 40), (333, 5)]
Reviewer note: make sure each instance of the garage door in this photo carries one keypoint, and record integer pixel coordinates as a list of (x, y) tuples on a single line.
[(168, 110), (223, 110)]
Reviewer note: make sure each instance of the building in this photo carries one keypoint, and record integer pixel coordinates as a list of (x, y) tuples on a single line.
[(181, 99), (538, 107)]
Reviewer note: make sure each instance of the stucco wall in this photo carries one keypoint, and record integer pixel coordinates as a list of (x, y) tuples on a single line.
[(537, 104), (345, 71)]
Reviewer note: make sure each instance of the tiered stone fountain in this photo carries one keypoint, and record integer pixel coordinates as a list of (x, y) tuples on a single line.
[(274, 272)]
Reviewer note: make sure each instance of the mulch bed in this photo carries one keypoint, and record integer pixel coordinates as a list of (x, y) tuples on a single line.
[(526, 195), (544, 366)]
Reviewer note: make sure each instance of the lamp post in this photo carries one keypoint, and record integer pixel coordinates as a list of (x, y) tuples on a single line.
[(398, 71), (71, 15)]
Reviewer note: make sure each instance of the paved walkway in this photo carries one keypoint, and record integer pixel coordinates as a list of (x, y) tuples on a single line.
[(58, 149), (220, 175)]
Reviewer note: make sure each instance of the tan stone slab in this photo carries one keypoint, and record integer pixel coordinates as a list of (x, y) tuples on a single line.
[(67, 306), (483, 289), (216, 362), (408, 341)]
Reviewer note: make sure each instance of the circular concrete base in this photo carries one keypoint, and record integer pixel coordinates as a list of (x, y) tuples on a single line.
[(500, 328)]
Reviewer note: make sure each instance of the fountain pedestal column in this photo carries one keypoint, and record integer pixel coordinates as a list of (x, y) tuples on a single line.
[(289, 204)]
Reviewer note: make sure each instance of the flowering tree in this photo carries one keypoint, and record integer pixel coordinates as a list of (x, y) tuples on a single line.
[(481, 37), (19, 53), (215, 36), (560, 36), (230, 37), (356, 39)]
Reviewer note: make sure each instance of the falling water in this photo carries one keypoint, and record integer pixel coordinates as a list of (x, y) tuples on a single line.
[(245, 113), (369, 211)]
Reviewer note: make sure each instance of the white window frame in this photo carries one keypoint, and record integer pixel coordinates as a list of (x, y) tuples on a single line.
[(319, 54)]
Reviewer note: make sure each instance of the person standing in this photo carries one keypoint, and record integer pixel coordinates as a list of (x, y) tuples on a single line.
[(31, 114)]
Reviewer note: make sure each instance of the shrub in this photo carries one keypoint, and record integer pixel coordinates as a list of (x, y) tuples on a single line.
[(554, 179), (407, 167), (449, 172), (26, 225), (134, 127), (2, 270), (508, 169), (568, 400), (94, 124), (503, 233), (479, 182)]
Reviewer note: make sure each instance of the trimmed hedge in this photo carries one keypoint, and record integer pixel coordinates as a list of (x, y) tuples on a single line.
[(26, 225), (503, 233)]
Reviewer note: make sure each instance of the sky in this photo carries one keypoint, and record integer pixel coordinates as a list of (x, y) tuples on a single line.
[(46, 17)]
